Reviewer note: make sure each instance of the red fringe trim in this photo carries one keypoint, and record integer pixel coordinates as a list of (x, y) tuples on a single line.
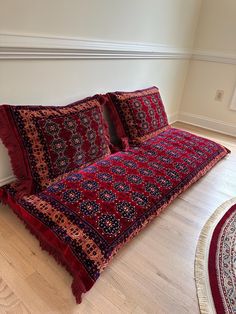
[(10, 138), (54, 246)]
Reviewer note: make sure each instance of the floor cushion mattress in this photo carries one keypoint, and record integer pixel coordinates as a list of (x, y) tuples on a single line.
[(86, 217)]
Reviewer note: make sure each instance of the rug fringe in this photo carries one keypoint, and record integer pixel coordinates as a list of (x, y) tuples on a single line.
[(201, 257)]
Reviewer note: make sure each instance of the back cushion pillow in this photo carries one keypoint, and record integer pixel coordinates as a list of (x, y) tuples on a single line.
[(138, 115), (46, 142)]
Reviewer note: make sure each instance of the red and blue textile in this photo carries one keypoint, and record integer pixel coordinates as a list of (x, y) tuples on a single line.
[(86, 217), (45, 142), (137, 115)]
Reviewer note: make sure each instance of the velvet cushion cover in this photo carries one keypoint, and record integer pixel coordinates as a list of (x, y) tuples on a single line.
[(138, 115), (45, 142), (85, 218)]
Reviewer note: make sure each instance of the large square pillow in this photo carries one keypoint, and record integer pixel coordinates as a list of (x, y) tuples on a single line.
[(45, 142), (137, 115)]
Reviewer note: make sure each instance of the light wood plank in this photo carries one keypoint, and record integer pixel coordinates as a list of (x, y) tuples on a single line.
[(9, 303)]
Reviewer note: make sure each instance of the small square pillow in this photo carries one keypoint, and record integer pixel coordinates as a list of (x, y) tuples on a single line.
[(138, 115), (45, 142)]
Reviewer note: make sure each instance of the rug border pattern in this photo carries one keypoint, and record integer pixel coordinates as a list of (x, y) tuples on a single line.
[(205, 300)]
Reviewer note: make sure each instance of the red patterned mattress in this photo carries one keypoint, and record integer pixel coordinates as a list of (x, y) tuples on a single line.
[(86, 217)]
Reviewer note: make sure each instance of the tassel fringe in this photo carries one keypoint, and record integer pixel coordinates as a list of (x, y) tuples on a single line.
[(205, 300)]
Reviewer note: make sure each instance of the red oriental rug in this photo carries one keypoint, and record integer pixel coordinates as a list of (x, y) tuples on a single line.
[(215, 263)]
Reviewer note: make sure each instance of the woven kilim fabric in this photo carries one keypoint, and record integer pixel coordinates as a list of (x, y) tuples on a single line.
[(86, 217), (138, 115), (45, 142)]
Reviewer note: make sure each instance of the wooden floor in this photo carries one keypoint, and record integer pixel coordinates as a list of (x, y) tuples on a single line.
[(154, 273)]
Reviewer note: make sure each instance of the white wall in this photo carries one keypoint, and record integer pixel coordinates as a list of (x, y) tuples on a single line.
[(171, 23), (217, 26), (215, 37)]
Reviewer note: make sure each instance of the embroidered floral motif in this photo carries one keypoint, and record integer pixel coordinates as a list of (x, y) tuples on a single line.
[(141, 158), (74, 177), (126, 210), (76, 140), (172, 174), (156, 165), (146, 172), (90, 185), (104, 163), (115, 157), (51, 127), (152, 153), (56, 140), (107, 196), (152, 189), (58, 145), (180, 167), (90, 169), (121, 187), (159, 147), (134, 179), (91, 135), (79, 158), (106, 177), (139, 198), (163, 181), (165, 159), (93, 150), (57, 187), (141, 114), (173, 153), (62, 163), (130, 164), (109, 224), (70, 123), (71, 196), (118, 170), (89, 208)]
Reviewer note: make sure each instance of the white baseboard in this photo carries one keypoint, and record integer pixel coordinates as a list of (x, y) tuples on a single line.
[(233, 101), (208, 123), (7, 180)]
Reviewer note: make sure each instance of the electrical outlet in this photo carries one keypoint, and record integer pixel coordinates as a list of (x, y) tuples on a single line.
[(219, 95)]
